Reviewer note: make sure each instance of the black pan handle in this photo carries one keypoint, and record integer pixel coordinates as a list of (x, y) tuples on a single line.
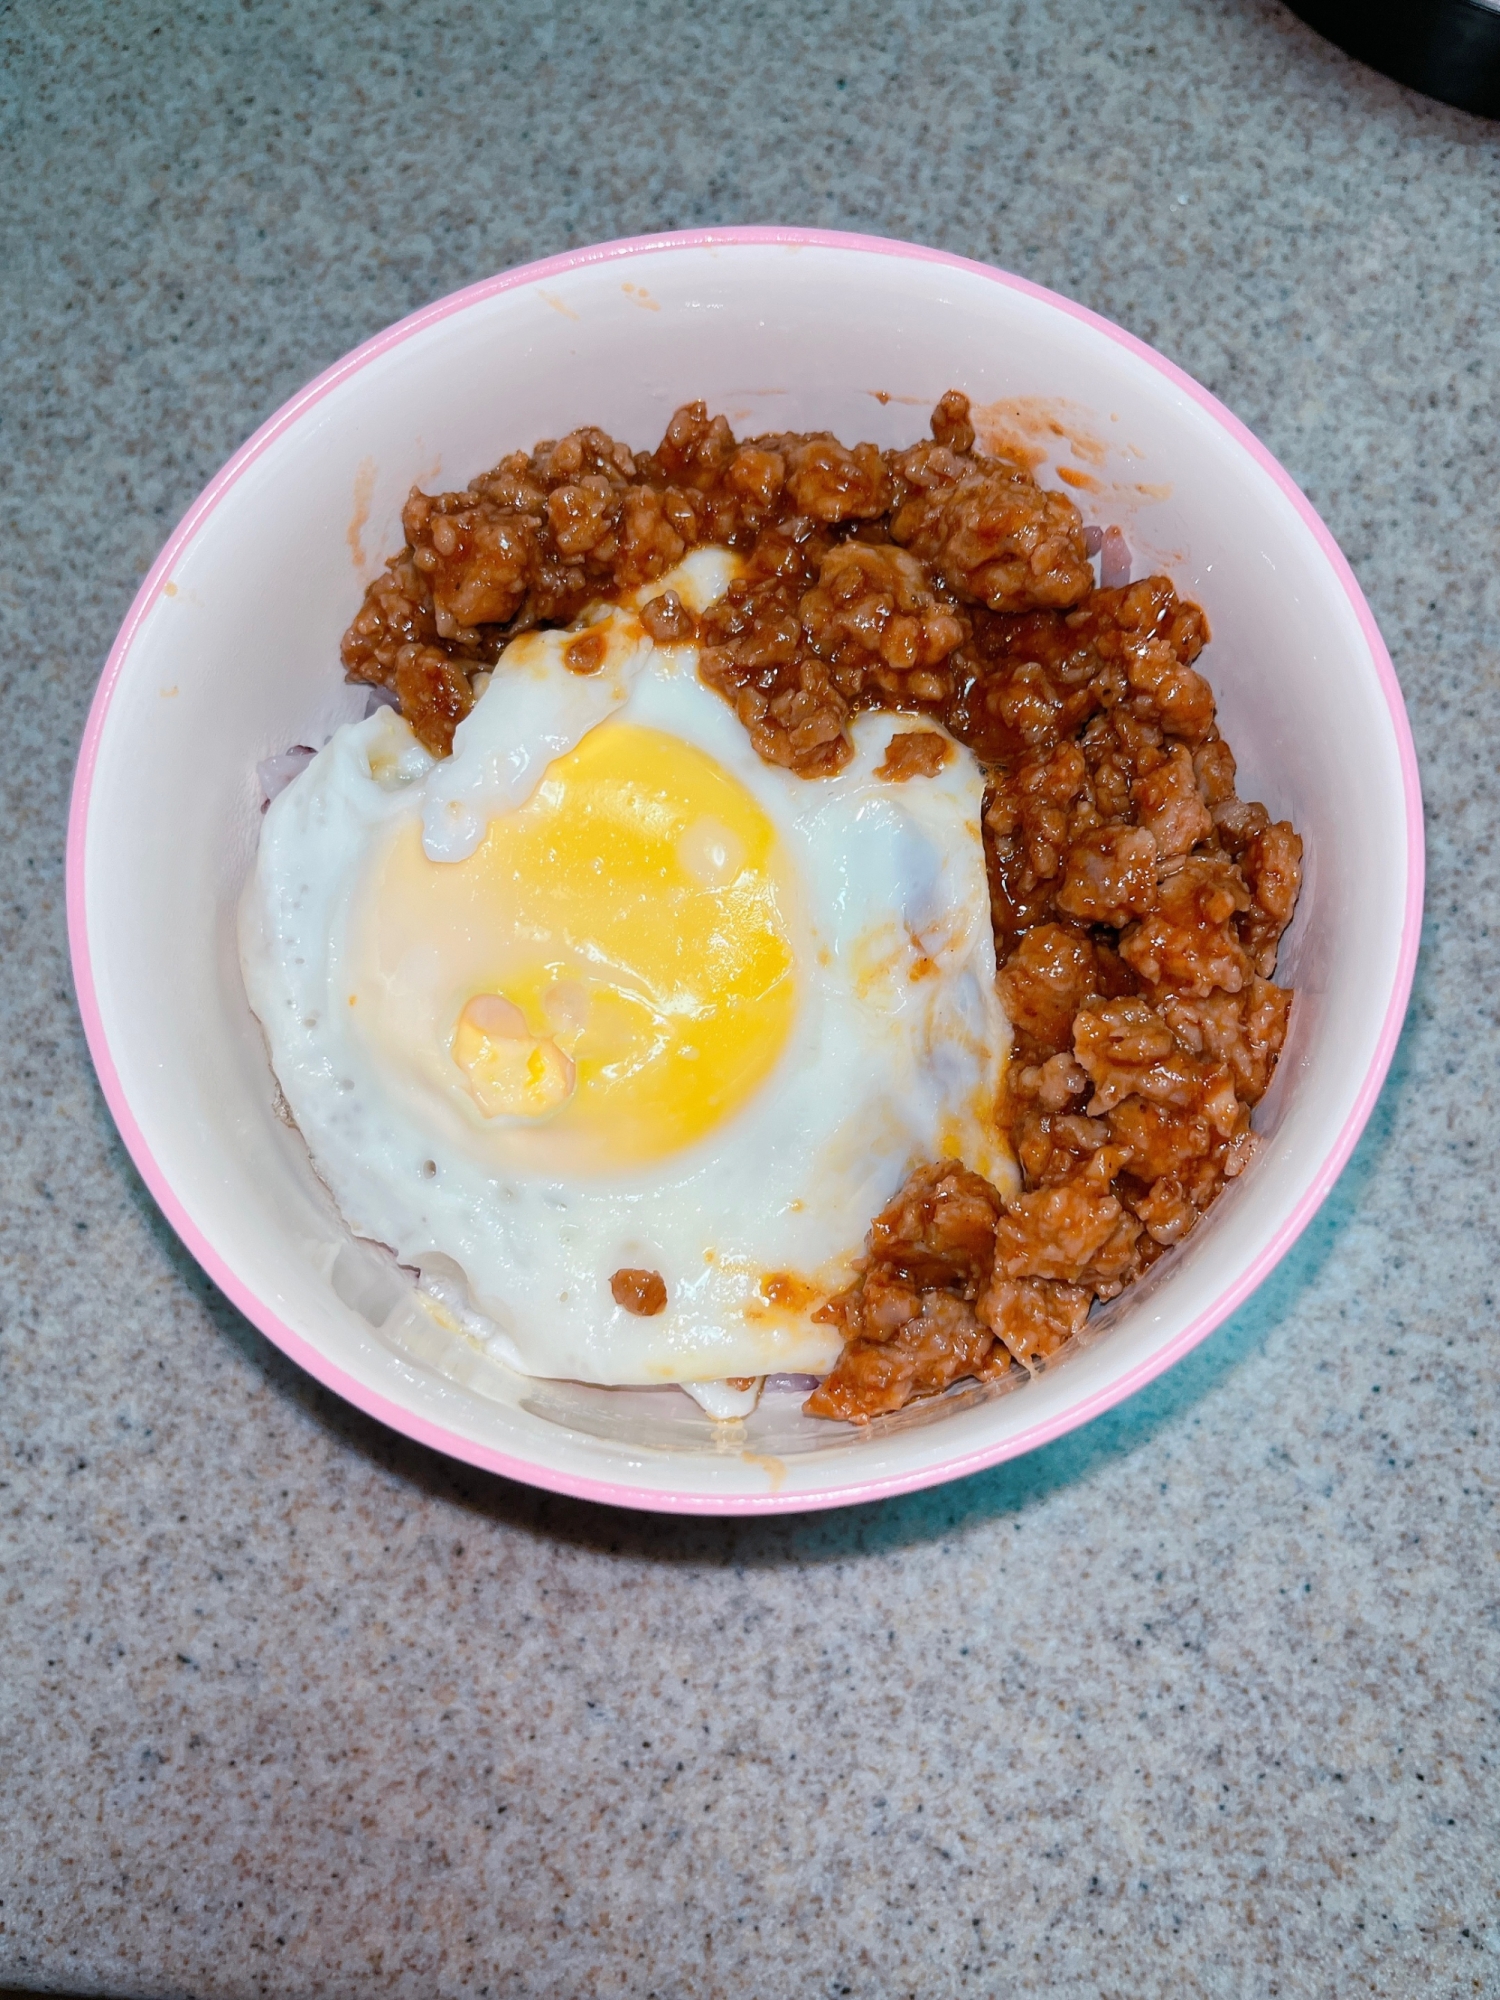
[(1449, 49)]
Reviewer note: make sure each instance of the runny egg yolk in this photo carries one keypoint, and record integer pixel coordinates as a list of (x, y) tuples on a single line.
[(611, 970)]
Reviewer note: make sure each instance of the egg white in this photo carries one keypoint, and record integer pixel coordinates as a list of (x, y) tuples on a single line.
[(895, 1054)]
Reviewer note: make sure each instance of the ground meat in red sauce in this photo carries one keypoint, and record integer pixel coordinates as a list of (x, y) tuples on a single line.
[(914, 753), (643, 1293), (1138, 901)]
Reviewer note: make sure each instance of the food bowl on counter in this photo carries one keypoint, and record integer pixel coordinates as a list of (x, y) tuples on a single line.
[(230, 656)]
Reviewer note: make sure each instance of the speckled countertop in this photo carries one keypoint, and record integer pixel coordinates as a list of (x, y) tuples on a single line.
[(1202, 1700)]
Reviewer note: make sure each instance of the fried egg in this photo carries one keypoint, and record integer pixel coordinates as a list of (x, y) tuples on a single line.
[(603, 996)]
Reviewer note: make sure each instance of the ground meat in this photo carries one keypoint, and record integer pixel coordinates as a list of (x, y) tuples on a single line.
[(909, 1322), (586, 653), (815, 630), (1109, 876), (531, 542), (476, 560), (1077, 1232), (947, 1292), (914, 753), (995, 537), (1053, 971), (1188, 939), (643, 1293), (1245, 1030), (434, 694), (397, 612), (1272, 864), (831, 615), (667, 618), (1033, 1317), (831, 483), (1138, 902)]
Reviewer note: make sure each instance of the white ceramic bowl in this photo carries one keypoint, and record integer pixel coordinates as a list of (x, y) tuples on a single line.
[(230, 653)]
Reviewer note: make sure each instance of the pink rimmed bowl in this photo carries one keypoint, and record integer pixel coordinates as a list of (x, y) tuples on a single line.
[(230, 654)]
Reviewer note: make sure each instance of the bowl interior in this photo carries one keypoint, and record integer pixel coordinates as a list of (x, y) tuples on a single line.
[(231, 655)]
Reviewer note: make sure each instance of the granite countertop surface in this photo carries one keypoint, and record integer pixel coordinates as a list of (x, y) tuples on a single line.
[(1202, 1700)]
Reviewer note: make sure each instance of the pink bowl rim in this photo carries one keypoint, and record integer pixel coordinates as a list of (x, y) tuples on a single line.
[(610, 1492)]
